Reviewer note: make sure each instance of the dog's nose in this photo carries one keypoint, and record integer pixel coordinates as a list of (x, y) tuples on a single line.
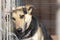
[(19, 29)]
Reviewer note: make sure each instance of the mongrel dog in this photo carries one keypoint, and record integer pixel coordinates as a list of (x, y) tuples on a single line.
[(27, 27)]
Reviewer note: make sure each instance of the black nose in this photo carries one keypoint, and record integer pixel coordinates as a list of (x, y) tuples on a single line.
[(19, 30)]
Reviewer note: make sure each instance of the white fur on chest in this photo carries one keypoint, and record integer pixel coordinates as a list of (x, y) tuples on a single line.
[(38, 35)]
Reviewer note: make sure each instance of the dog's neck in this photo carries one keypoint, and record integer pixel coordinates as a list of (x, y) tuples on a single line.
[(30, 31)]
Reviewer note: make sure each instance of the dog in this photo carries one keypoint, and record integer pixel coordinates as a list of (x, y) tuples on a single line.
[(26, 25)]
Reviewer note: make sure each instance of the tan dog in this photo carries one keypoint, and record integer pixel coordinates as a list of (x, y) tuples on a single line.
[(27, 28)]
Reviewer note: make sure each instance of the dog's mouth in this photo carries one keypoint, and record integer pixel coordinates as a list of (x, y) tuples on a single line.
[(22, 30)]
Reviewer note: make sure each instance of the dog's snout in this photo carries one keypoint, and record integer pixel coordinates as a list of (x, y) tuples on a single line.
[(19, 29)]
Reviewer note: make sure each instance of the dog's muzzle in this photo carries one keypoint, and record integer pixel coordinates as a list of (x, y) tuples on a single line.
[(19, 30)]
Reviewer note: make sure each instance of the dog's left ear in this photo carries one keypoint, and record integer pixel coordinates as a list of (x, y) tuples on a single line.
[(30, 10)]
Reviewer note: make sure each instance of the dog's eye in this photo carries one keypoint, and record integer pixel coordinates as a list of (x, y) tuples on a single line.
[(21, 16), (13, 18)]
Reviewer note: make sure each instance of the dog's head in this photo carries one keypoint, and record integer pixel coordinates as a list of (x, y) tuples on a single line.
[(22, 17)]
